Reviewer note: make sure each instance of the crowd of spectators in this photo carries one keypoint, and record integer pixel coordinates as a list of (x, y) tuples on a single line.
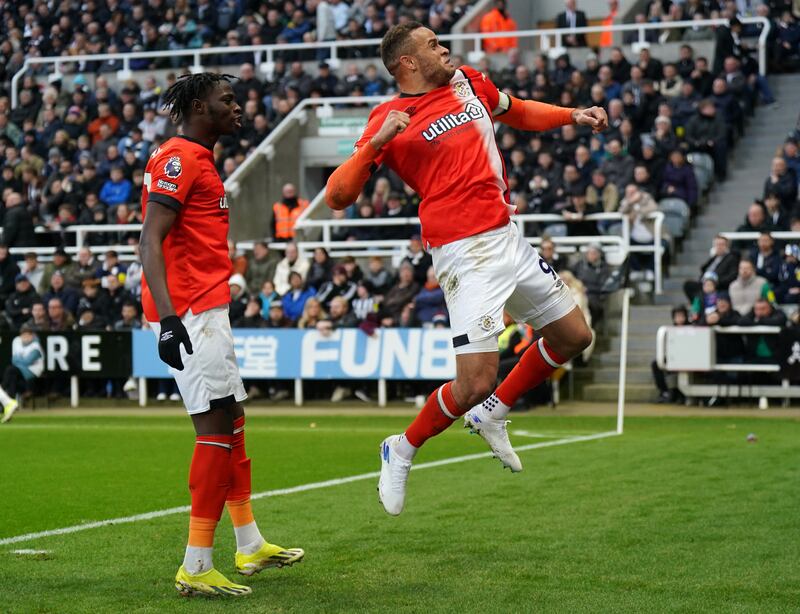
[(35, 28), (272, 290), (85, 294), (751, 282), (73, 152)]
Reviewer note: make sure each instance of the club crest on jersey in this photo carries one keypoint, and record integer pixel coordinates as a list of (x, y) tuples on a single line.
[(438, 127), (461, 89), (173, 168), (487, 323)]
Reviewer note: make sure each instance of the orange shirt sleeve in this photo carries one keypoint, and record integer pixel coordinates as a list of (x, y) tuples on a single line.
[(347, 181), (535, 116), (170, 179)]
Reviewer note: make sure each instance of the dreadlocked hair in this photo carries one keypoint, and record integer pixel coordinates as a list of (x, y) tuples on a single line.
[(178, 98)]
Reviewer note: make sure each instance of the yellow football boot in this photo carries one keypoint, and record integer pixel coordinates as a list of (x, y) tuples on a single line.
[(8, 411), (210, 583), (269, 555)]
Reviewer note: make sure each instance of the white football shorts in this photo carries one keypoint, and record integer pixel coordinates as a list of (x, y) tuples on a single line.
[(495, 270), (210, 376)]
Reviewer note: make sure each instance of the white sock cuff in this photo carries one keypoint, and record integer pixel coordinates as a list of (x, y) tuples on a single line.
[(442, 406), (547, 358)]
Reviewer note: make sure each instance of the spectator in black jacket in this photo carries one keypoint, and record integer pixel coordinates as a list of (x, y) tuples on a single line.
[(379, 277), (730, 348), (775, 214), (419, 259), (763, 348), (320, 270), (788, 290), (767, 259), (706, 132), (395, 209), (755, 221), (575, 213), (251, 318), (572, 18), (8, 272), (783, 182), (668, 392), (118, 296), (277, 318), (723, 262), (95, 298), (239, 297), (17, 222), (338, 286), (593, 271), (19, 303)]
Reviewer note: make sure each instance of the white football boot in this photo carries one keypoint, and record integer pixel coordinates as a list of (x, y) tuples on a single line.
[(394, 475), (478, 420)]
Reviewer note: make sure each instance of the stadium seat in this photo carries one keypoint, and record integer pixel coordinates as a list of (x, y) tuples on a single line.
[(703, 169), (676, 216)]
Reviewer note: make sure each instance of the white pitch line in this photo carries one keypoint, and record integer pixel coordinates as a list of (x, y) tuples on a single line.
[(292, 490), (546, 434)]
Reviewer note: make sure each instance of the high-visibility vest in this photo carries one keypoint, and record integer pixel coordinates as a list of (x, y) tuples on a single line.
[(607, 36), (285, 218), (495, 21)]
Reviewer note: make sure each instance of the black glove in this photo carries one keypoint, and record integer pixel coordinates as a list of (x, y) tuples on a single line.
[(173, 333)]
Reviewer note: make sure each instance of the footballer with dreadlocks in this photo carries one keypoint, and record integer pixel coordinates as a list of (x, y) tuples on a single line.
[(185, 296)]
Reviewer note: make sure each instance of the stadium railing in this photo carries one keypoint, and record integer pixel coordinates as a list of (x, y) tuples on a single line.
[(778, 235), (684, 362), (550, 40), (389, 247), (266, 148)]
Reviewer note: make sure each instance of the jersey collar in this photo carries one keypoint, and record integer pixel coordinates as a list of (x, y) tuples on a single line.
[(190, 139)]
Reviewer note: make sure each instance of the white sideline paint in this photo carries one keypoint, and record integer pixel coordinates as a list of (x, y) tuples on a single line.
[(293, 489)]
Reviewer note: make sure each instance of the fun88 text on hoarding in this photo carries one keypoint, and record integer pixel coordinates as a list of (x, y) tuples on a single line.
[(348, 353)]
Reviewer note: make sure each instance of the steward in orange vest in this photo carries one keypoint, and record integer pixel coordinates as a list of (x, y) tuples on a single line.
[(497, 20), (284, 216)]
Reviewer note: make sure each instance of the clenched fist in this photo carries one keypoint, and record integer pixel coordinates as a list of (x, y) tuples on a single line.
[(594, 117), (394, 124)]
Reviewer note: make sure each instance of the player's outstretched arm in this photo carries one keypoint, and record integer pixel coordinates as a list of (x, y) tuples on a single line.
[(535, 116), (347, 181)]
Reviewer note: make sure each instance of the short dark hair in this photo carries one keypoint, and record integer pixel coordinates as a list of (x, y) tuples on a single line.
[(178, 98), (395, 44)]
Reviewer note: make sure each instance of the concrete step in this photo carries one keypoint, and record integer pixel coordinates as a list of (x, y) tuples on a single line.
[(672, 299), (686, 271), (639, 343), (636, 326), (610, 358), (639, 393), (610, 375)]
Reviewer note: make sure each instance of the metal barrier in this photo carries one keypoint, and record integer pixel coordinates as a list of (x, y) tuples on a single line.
[(550, 40), (304, 223), (688, 388), (780, 235), (267, 147)]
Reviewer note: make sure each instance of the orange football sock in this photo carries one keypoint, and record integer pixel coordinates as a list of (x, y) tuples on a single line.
[(536, 365), (438, 413), (209, 480), (248, 537), (201, 532), (238, 501)]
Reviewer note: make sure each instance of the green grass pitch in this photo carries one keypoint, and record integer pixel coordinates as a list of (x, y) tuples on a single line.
[(677, 515)]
